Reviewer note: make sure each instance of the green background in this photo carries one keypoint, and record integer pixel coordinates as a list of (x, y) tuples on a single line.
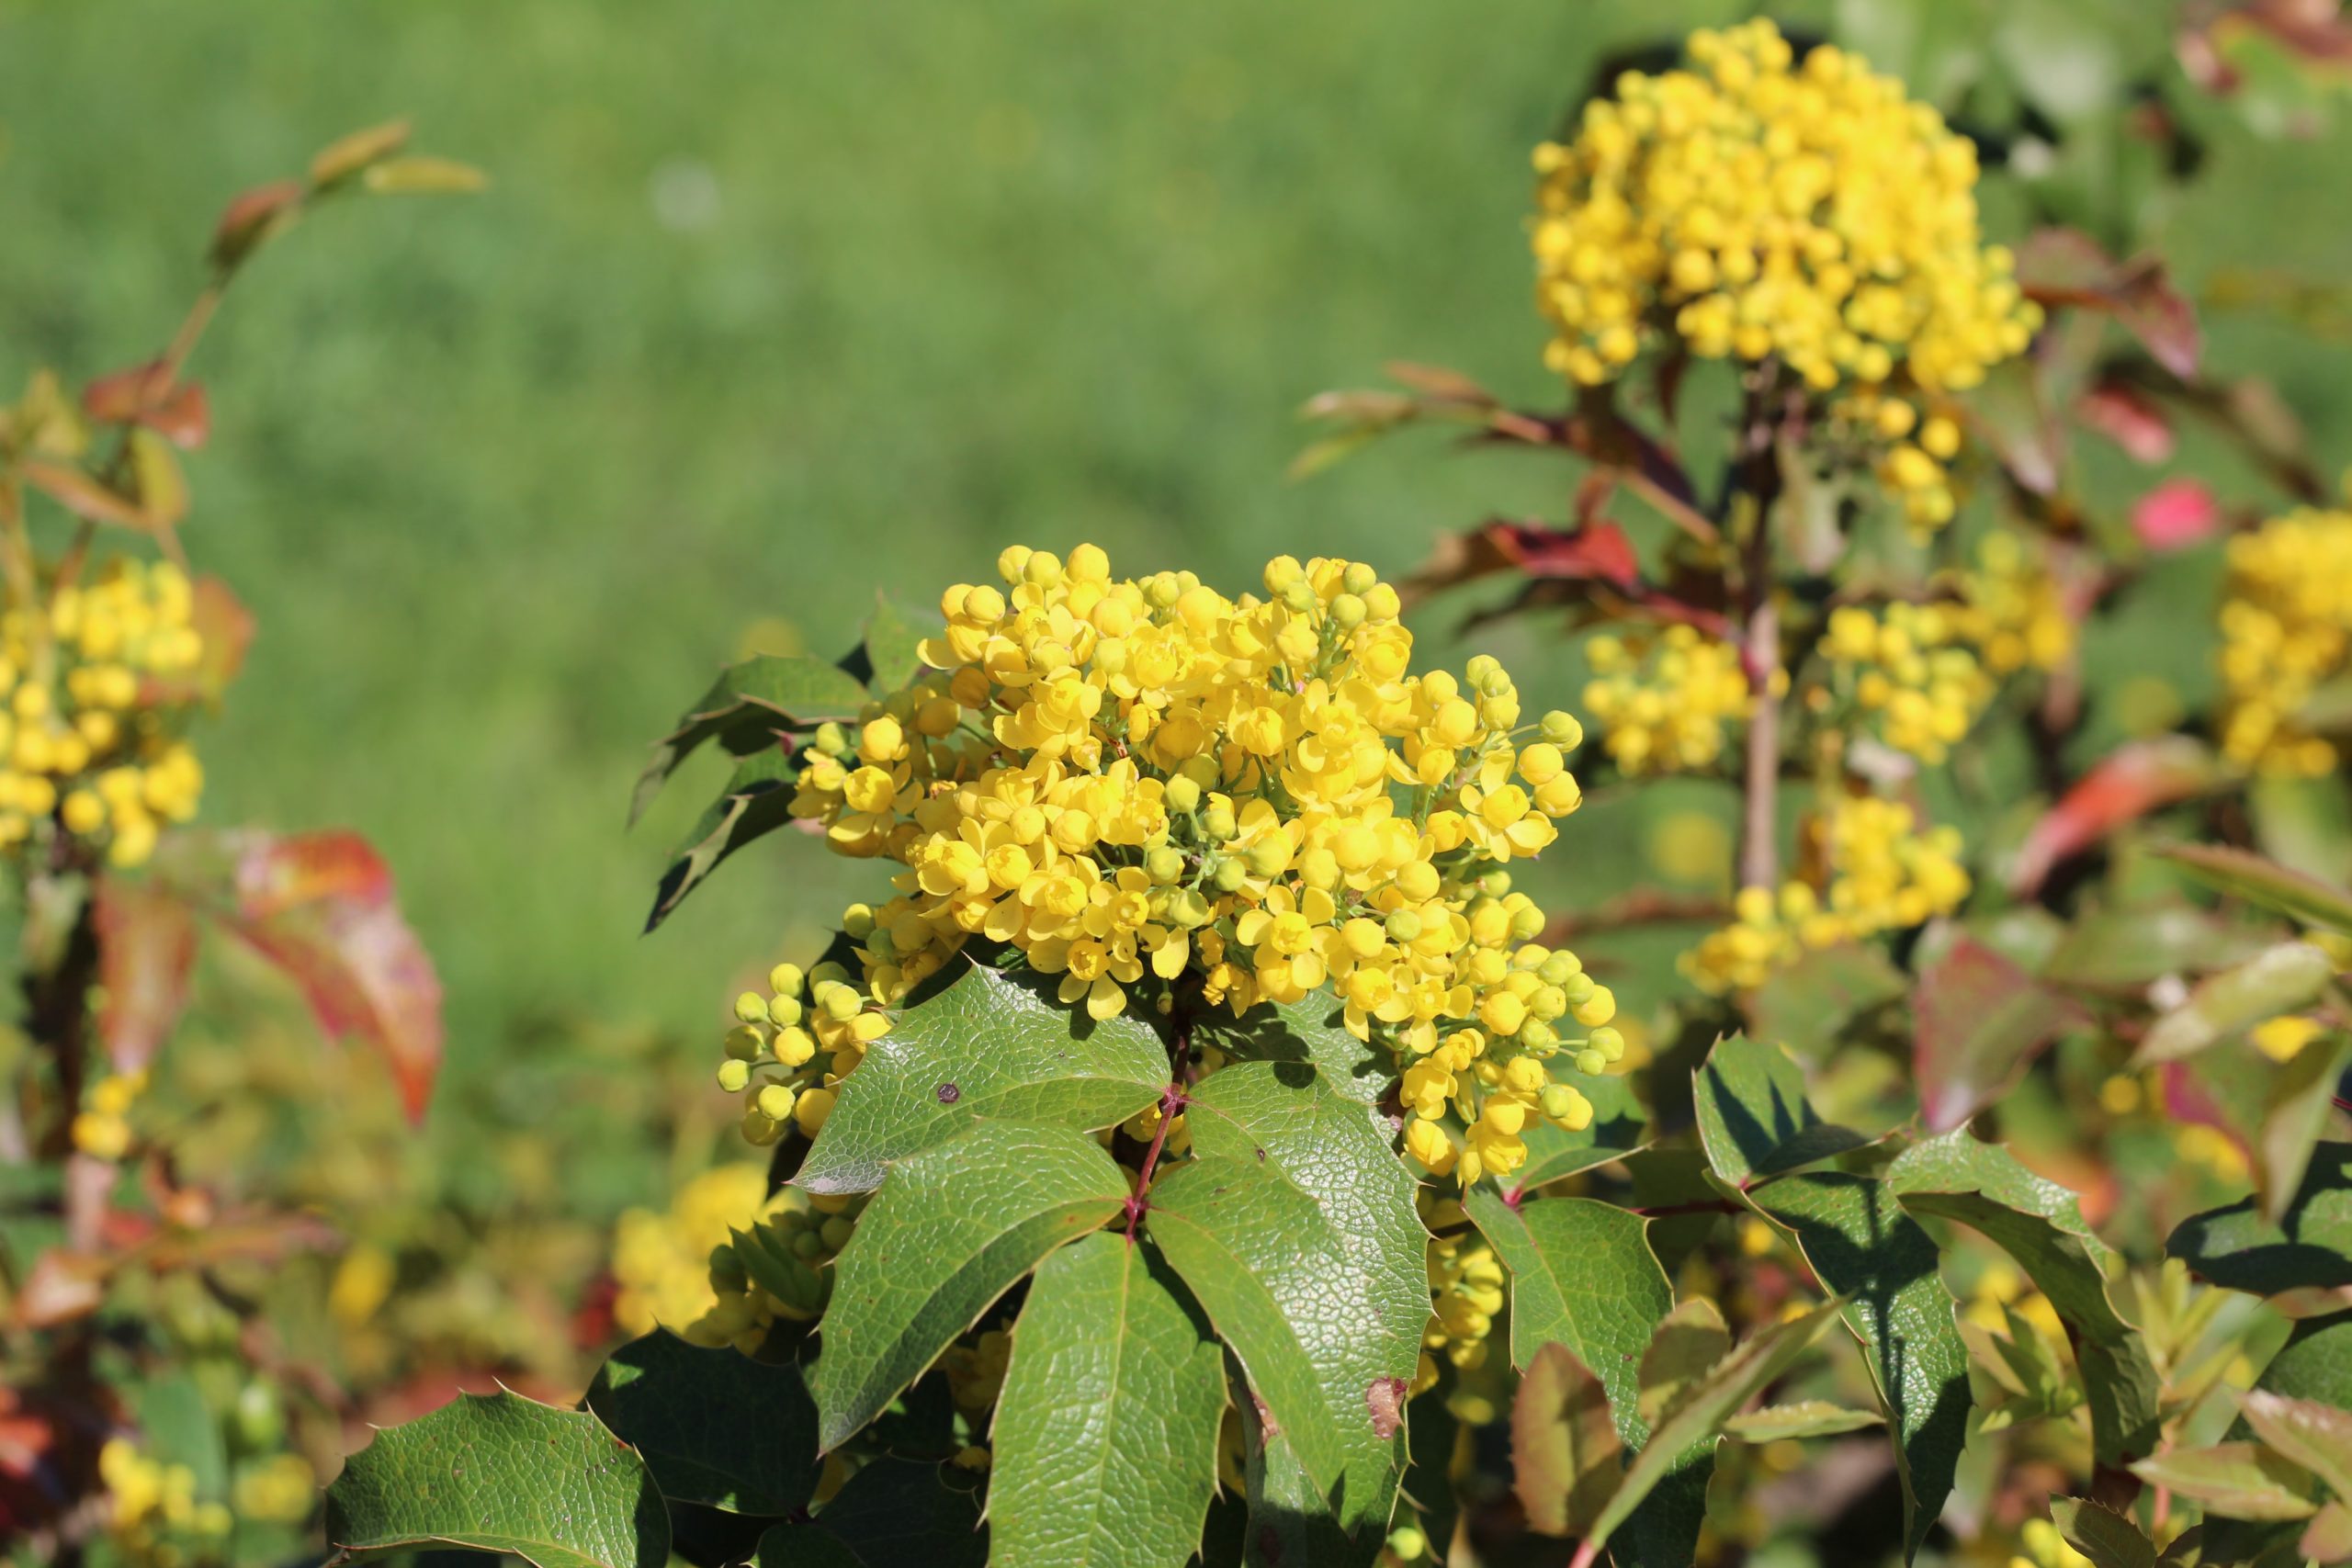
[(773, 303)]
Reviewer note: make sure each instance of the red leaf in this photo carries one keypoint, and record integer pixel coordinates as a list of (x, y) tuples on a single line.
[(252, 218), (1597, 551), (2134, 780), (2176, 514), (1982, 1020), (321, 906), (2066, 266), (2129, 419), (146, 949)]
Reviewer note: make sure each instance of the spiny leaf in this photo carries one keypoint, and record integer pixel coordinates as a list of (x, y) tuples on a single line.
[(2107, 1538), (974, 1042), (1292, 1235), (2280, 980), (1805, 1418), (714, 1427), (745, 706), (953, 1228), (1862, 1245), (1311, 1031), (2314, 1436), (1753, 1118), (1735, 1379), (1105, 1434), (2257, 880), (2238, 1481), (756, 802), (500, 1472), (1565, 1458), (2310, 1247)]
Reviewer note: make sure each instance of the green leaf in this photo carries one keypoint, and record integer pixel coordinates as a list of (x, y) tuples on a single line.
[(2281, 979), (2297, 1102), (1617, 1129), (1565, 1458), (2119, 1379), (2314, 1436), (177, 1424), (1982, 1020), (1105, 1435), (499, 1472), (743, 709), (892, 1511), (1862, 1245), (1818, 996), (1683, 1349), (1737, 1379), (1310, 1031), (2107, 1538), (1289, 1518), (1296, 1252), (892, 646), (756, 802), (952, 1229), (2315, 1363), (980, 1043), (2237, 1481), (1753, 1118), (1582, 1275), (714, 1427), (2123, 950), (2265, 882), (1805, 1418), (2310, 1246)]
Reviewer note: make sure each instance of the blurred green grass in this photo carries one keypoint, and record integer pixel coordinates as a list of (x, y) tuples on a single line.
[(771, 304)]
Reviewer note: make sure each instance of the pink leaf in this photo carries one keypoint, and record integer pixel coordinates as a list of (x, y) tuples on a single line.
[(2176, 514), (2128, 417), (2066, 266)]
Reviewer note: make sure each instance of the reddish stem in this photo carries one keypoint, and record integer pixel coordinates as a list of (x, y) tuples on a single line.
[(1171, 1103)]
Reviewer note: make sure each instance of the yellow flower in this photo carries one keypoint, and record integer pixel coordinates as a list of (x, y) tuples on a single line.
[(2286, 630)]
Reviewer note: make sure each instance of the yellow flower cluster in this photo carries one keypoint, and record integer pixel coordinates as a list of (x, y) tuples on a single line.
[(1906, 670), (1881, 873), (1662, 701), (282, 1488), (82, 741), (777, 1267), (1913, 453), (1148, 789), (1465, 1292), (1766, 207), (154, 1516), (2286, 629), (661, 1260), (2010, 610), (103, 1126)]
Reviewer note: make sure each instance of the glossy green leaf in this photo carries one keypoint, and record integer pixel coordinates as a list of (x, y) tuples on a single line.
[(1753, 1118), (1311, 1031), (714, 1427), (745, 707), (2265, 882), (2315, 1363), (1617, 1129), (977, 1042), (2314, 1436), (1805, 1418), (1291, 1518), (499, 1472), (892, 644), (1566, 1456), (2308, 1247), (1323, 1316), (1737, 1378), (756, 802), (1862, 1245), (953, 1228), (2281, 979), (2237, 1481), (2107, 1538), (1105, 1434)]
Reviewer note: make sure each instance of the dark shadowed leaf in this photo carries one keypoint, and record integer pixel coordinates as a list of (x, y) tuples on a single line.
[(755, 803), (2308, 1247), (1753, 1118), (1312, 1031), (714, 1426), (2107, 1538), (744, 708)]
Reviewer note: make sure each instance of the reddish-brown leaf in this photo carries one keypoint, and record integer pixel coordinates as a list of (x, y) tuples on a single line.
[(84, 496), (2137, 778), (62, 1286), (2128, 417), (2066, 268), (1982, 1020), (145, 395), (253, 217), (146, 950)]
